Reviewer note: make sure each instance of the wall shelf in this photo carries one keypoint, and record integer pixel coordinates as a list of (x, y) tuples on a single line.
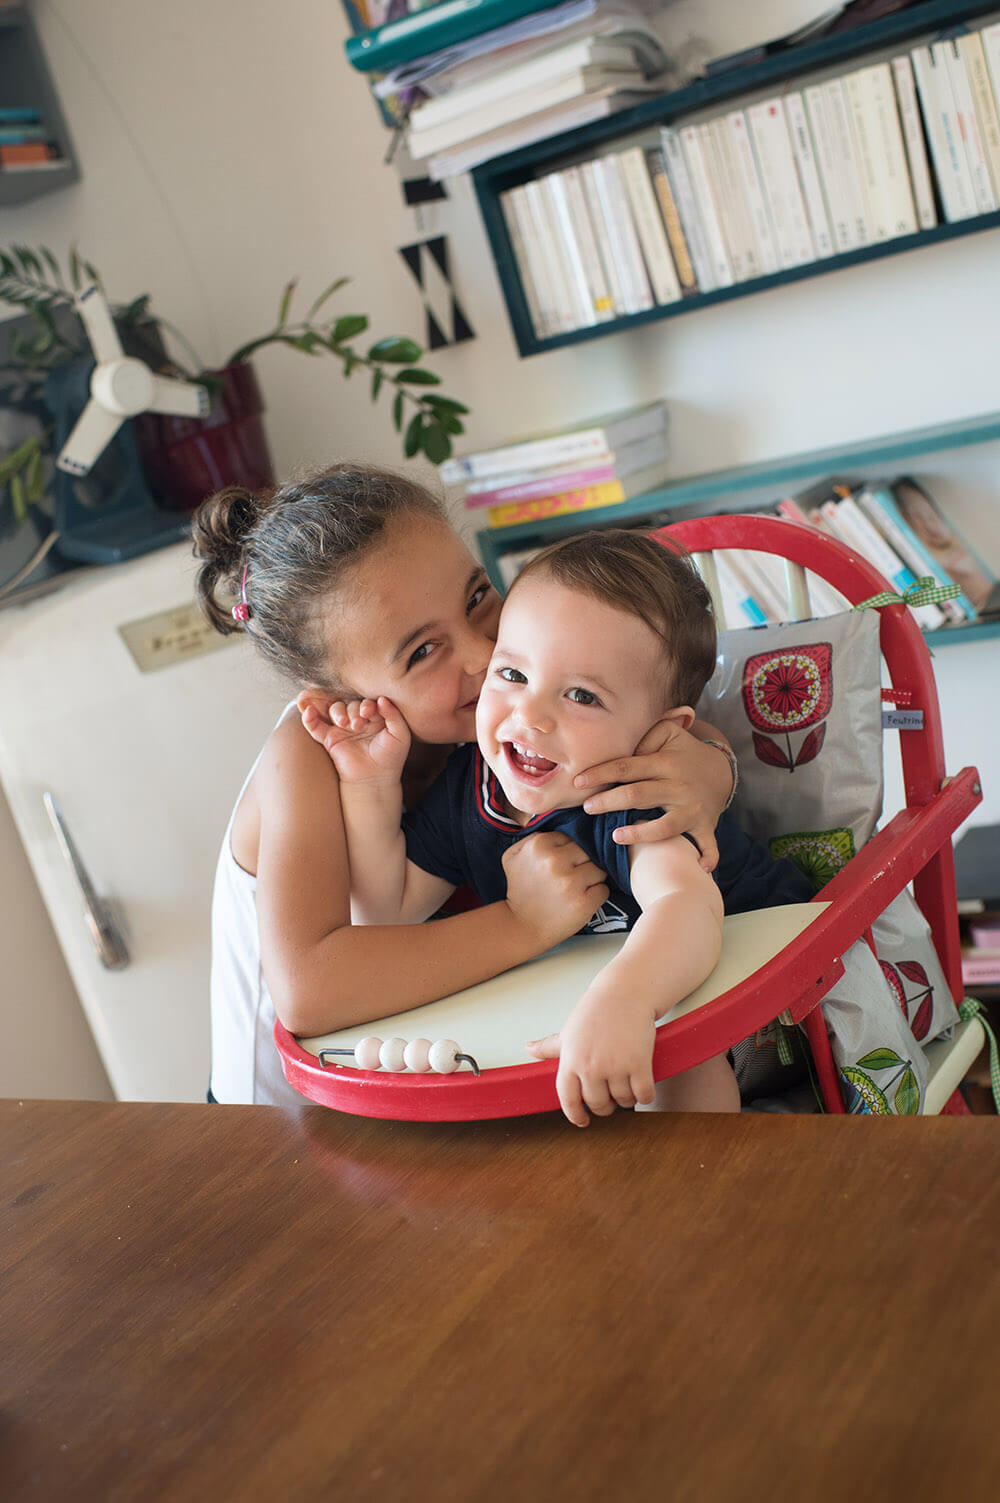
[(494, 178), (721, 490), (25, 81)]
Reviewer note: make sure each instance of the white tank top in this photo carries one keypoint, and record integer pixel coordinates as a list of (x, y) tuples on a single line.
[(246, 1067)]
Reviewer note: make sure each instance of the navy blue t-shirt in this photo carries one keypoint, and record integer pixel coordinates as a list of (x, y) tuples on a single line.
[(459, 832)]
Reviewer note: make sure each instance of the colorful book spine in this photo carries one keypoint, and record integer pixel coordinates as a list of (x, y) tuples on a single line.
[(547, 485), (588, 498), (880, 507)]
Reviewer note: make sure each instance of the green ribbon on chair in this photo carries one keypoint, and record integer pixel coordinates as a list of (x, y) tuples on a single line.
[(968, 1008), (923, 591)]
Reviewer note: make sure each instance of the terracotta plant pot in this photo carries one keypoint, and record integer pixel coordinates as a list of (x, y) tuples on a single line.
[(186, 459)]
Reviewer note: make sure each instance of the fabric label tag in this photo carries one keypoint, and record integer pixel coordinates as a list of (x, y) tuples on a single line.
[(902, 720)]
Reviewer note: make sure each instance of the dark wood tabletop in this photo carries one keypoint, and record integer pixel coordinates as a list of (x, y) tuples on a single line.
[(257, 1304)]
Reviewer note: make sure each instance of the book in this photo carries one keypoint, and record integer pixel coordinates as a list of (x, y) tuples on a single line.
[(838, 116), (649, 226), (602, 235), (838, 203), (588, 498), (429, 140), (687, 207), (604, 435), (776, 162), (805, 161), (746, 166), (949, 549), (567, 252), (873, 186), (524, 132), (879, 504), (984, 102), (731, 202), (890, 196), (740, 606), (557, 63), (657, 168), (563, 314), (30, 154), (847, 518), (16, 135), (601, 297), (19, 114), (622, 235), (990, 38), (980, 967), (968, 125), (937, 105), (426, 31), (532, 274), (528, 485), (913, 136), (698, 176)]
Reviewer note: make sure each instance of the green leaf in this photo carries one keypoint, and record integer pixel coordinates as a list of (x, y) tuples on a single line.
[(29, 261), (135, 311), (310, 343), (18, 499), (350, 361), (75, 270), (16, 460), (450, 424), (92, 272), (286, 301), (397, 411), (907, 1098), (880, 1059), (411, 443), (445, 404), (52, 264), (377, 379), (395, 351), (34, 477), (436, 443), (317, 305), (418, 378), (348, 326)]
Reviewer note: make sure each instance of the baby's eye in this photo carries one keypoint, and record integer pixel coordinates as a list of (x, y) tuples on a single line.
[(478, 596), (582, 697), (420, 654), (512, 675)]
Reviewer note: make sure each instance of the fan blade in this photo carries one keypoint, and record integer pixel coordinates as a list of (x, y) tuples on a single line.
[(95, 428), (178, 398), (93, 309)]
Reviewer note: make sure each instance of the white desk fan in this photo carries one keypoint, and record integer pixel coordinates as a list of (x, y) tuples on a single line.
[(120, 387)]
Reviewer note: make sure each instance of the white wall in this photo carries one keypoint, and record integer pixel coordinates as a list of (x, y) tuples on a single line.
[(227, 147)]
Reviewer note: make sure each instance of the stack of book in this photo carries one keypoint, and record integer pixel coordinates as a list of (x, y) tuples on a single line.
[(598, 463), (881, 152), (25, 143), (486, 76)]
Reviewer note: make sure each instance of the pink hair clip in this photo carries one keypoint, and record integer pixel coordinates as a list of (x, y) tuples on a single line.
[(241, 612)]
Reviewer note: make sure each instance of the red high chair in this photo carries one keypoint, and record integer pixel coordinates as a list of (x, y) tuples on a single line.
[(914, 848)]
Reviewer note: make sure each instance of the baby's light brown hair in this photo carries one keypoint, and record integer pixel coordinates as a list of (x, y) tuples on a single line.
[(658, 583)]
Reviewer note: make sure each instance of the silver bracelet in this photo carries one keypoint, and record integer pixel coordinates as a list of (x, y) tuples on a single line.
[(734, 768)]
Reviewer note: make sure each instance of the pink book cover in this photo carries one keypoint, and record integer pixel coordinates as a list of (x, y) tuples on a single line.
[(551, 485)]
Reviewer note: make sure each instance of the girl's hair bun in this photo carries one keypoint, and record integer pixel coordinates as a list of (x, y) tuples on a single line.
[(221, 528)]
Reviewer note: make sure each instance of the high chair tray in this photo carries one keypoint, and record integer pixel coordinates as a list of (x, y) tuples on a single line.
[(493, 1021)]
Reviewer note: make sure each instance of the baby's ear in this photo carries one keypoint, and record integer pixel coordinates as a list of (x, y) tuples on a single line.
[(682, 715)]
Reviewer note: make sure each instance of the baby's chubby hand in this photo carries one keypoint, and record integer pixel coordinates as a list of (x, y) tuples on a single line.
[(605, 1060), (367, 739)]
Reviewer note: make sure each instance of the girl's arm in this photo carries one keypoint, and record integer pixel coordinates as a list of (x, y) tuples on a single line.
[(324, 974), (672, 769), (605, 1048)]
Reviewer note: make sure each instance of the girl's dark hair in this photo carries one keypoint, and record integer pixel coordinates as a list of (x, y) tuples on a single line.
[(295, 544), (660, 585)]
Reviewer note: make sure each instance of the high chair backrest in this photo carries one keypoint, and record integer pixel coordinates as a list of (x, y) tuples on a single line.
[(908, 666)]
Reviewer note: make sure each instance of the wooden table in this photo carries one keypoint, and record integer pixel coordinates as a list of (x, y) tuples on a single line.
[(252, 1304)]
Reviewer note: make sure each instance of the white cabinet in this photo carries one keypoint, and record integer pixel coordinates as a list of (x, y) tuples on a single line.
[(145, 766)]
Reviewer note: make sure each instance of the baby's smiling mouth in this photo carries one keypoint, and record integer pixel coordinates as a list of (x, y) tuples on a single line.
[(527, 763)]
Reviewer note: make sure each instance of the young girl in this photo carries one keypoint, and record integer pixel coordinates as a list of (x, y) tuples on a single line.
[(353, 584)]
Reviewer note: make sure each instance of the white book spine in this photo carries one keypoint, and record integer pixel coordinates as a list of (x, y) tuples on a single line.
[(776, 161), (544, 239), (624, 241), (687, 208), (862, 107), (716, 187), (694, 156), (737, 226), (839, 115), (891, 151), (568, 251), (968, 127), (952, 131), (990, 38), (602, 234), (757, 208), (528, 273), (913, 135), (971, 48), (837, 201), (739, 604), (896, 538), (847, 518), (586, 239), (805, 161), (649, 225)]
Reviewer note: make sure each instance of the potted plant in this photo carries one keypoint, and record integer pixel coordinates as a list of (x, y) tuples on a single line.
[(186, 458)]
